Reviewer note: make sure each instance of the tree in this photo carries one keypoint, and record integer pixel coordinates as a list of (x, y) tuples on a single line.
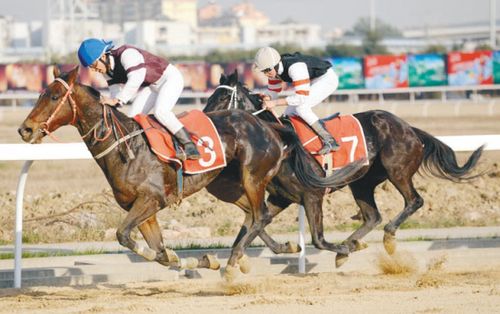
[(435, 49), (344, 50)]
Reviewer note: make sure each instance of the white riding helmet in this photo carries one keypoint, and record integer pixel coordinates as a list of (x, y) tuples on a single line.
[(266, 58)]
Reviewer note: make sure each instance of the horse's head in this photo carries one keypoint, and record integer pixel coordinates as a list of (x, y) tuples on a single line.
[(54, 108), (232, 94)]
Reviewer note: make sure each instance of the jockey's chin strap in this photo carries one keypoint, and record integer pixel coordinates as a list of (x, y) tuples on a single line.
[(69, 90), (233, 101)]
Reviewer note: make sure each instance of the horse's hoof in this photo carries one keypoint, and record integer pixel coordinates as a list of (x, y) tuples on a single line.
[(189, 263), (171, 256), (292, 247), (230, 273), (389, 243), (146, 252), (213, 263), (244, 263), (343, 249), (360, 245), (340, 259)]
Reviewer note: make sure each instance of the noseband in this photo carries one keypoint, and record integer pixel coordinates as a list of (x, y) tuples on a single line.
[(69, 90)]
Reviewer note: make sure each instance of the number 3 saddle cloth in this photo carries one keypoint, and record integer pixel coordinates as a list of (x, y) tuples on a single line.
[(203, 133)]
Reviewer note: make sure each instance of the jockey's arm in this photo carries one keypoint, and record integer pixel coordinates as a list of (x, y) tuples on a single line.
[(133, 62), (301, 83)]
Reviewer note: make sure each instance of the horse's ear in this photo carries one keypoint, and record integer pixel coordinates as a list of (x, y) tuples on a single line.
[(73, 75), (233, 78), (222, 79), (56, 71)]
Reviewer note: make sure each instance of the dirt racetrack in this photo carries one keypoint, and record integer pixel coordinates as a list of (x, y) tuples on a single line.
[(469, 288)]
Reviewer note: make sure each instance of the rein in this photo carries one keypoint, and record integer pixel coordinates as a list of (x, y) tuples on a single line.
[(233, 102)]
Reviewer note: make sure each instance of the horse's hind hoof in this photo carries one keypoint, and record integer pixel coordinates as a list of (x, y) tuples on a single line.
[(340, 259), (389, 243), (292, 247), (244, 263)]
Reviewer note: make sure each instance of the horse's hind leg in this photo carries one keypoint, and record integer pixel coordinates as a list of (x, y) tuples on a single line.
[(413, 201)]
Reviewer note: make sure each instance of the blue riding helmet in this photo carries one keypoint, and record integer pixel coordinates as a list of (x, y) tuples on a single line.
[(92, 49)]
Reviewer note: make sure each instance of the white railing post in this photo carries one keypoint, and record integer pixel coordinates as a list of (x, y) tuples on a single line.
[(19, 223), (302, 241)]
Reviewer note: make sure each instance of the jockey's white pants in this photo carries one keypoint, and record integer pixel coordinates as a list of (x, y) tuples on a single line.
[(321, 88), (161, 97)]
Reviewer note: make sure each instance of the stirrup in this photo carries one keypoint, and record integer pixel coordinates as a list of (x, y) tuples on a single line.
[(329, 147)]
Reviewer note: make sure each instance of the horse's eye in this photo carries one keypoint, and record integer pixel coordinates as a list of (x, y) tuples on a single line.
[(54, 97)]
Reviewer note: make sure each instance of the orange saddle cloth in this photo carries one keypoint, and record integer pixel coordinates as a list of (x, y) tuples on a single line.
[(345, 129), (203, 133)]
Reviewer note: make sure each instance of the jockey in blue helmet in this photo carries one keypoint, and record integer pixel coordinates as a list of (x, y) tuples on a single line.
[(150, 82)]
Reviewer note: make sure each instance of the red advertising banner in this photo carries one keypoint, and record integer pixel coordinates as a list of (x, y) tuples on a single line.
[(386, 71), (470, 68)]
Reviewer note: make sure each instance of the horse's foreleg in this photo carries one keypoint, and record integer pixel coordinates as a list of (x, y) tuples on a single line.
[(314, 212), (140, 212), (363, 193), (276, 205), (152, 234)]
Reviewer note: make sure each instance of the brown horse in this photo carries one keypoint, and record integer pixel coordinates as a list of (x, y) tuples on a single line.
[(396, 151), (142, 185)]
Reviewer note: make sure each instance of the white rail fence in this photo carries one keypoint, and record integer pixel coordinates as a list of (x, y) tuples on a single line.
[(71, 151), (353, 95)]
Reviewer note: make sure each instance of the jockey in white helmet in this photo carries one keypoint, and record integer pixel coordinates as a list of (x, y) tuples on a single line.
[(313, 80)]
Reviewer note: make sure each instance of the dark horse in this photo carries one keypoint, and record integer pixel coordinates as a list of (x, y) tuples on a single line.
[(396, 151), (142, 185)]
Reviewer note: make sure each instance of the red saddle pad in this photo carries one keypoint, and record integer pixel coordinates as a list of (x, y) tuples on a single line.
[(345, 129), (203, 133)]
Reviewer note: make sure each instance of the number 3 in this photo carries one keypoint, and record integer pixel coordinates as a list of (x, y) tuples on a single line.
[(209, 150)]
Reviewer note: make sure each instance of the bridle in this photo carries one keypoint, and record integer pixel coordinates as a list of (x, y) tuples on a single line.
[(69, 90), (114, 123), (234, 92)]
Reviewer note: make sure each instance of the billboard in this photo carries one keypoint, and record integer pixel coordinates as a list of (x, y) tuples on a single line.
[(426, 70), (386, 71), (350, 72), (470, 68), (496, 67)]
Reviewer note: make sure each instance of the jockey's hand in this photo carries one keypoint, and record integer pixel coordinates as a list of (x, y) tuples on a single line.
[(268, 104), (113, 102), (264, 97)]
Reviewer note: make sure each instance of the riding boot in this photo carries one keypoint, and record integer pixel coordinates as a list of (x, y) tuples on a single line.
[(189, 147), (329, 143)]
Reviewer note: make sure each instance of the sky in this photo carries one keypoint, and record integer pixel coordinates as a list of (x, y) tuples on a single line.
[(330, 14)]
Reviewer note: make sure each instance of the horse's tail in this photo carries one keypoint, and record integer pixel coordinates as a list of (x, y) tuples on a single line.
[(440, 160), (302, 163)]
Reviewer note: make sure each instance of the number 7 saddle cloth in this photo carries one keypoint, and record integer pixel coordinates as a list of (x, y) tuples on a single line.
[(203, 133), (345, 129)]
